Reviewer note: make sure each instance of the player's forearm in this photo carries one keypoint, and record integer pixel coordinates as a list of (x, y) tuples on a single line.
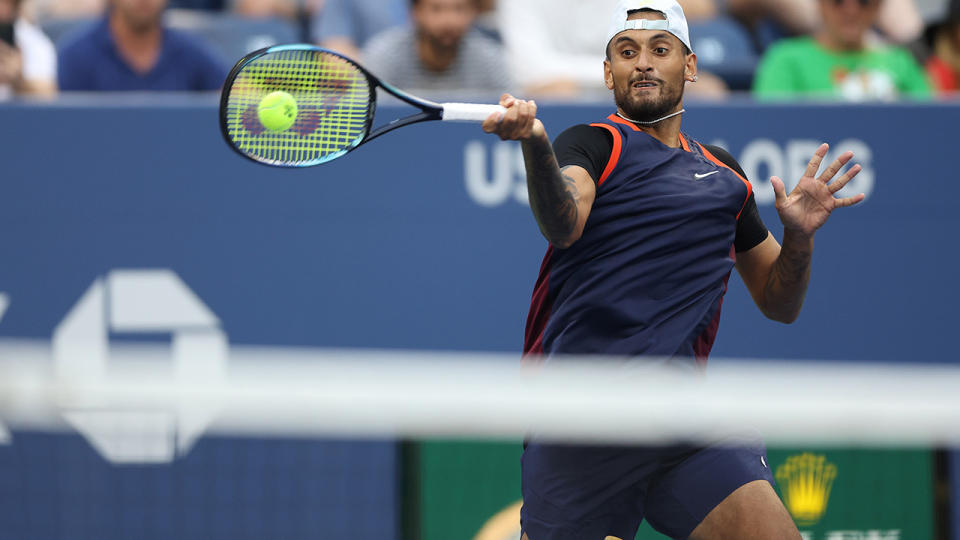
[(787, 285), (553, 195)]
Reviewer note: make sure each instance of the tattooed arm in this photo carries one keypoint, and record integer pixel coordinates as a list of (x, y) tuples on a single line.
[(560, 199), (777, 277)]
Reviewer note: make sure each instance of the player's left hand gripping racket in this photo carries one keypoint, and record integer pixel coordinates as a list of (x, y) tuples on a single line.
[(331, 111)]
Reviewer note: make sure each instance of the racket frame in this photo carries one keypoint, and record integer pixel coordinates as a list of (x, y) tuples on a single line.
[(429, 110)]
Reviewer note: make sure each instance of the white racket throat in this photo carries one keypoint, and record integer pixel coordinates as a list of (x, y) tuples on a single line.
[(469, 112)]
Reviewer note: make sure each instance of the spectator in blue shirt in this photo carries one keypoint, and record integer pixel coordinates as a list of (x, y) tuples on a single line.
[(206, 5), (130, 49)]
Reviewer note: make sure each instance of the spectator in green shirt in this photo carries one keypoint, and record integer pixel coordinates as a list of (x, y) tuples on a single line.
[(839, 61)]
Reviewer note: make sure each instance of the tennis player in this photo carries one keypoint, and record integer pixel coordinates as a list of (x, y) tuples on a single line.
[(645, 225)]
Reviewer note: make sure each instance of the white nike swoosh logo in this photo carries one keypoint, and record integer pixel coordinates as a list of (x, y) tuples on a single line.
[(702, 176)]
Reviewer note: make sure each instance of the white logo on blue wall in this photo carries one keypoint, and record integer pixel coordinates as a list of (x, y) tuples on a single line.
[(139, 302), (763, 158), (494, 172)]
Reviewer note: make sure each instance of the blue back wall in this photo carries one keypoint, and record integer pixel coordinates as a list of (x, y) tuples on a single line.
[(420, 240)]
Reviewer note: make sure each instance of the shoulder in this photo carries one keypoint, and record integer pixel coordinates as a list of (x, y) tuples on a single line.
[(791, 48), (34, 43), (896, 60), (726, 158), (589, 147), (84, 41), (29, 35), (389, 42), (185, 43), (190, 55), (179, 39), (583, 133), (479, 44), (390, 52), (901, 55)]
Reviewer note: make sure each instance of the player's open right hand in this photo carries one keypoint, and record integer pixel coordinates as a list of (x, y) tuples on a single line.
[(518, 123)]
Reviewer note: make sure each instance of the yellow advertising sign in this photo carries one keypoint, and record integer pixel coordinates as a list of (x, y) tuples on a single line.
[(805, 481)]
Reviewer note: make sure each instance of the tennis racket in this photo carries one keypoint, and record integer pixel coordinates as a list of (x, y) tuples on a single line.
[(335, 101)]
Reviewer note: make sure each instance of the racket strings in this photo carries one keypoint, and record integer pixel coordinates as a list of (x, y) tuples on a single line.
[(333, 100)]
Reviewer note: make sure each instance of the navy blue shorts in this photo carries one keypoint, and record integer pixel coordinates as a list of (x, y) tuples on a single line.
[(590, 492)]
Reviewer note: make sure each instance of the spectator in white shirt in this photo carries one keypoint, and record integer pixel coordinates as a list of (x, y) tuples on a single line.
[(28, 60), (439, 51)]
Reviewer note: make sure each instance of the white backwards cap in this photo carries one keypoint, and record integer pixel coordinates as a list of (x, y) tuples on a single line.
[(675, 23)]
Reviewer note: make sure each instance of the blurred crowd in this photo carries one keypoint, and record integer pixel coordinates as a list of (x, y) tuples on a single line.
[(777, 49)]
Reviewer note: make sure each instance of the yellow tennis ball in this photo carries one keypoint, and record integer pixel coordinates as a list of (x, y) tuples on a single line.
[(277, 111)]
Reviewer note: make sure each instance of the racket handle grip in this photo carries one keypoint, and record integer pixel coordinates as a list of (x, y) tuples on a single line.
[(469, 112)]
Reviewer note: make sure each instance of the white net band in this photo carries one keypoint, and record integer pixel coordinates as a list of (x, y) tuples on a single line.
[(283, 392)]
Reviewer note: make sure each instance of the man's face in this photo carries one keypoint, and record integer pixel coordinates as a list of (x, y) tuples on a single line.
[(647, 71), (140, 15), (847, 21), (444, 22), (8, 11)]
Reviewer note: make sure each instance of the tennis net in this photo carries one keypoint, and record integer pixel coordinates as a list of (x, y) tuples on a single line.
[(307, 443)]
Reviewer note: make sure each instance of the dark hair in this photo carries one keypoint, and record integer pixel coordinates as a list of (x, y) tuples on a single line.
[(686, 50)]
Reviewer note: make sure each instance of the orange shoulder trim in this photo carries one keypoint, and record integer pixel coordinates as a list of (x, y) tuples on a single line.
[(614, 154), (714, 159)]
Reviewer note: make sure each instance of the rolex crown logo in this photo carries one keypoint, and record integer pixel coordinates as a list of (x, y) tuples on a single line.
[(805, 481)]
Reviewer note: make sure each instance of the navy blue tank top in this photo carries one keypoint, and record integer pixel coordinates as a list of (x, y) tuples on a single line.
[(648, 275)]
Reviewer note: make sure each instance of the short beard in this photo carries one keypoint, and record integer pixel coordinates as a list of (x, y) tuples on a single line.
[(438, 45), (646, 110)]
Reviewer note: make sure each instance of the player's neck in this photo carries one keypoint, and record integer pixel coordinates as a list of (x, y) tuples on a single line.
[(666, 131)]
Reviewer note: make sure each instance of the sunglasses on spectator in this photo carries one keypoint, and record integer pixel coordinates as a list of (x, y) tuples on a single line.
[(862, 3)]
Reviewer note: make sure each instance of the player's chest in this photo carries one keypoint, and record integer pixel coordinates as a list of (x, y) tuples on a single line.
[(671, 183)]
